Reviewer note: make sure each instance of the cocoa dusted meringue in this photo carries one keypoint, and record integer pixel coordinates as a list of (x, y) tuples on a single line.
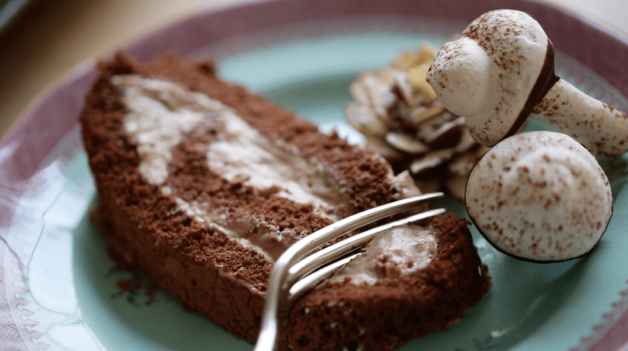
[(540, 196), (501, 70), (601, 128)]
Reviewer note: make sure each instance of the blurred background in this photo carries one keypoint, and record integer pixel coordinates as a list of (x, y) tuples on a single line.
[(41, 40)]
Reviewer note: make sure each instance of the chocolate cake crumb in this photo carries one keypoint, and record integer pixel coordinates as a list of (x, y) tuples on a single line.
[(211, 273), (394, 310)]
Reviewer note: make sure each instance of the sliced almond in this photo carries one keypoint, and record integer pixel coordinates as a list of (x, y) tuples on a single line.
[(416, 77), (462, 164), (406, 143), (380, 95), (403, 112), (386, 151), (401, 81), (447, 135), (358, 91), (431, 161), (429, 127), (426, 55), (398, 113), (387, 75), (423, 114), (362, 118), (406, 60)]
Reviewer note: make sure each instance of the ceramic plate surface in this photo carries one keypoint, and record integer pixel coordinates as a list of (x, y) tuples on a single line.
[(59, 290)]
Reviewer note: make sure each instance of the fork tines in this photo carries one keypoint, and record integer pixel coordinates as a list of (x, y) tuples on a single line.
[(285, 284)]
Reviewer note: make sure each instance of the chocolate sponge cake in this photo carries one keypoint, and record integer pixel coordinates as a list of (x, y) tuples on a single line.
[(203, 185)]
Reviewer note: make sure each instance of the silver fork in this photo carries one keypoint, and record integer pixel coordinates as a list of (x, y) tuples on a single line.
[(286, 283)]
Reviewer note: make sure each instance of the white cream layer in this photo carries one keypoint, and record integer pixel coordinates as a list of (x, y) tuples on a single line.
[(408, 247), (241, 152), (161, 113)]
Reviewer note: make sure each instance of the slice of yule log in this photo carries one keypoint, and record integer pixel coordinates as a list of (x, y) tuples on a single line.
[(203, 185)]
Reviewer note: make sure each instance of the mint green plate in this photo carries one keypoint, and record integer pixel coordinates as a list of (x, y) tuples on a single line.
[(64, 291)]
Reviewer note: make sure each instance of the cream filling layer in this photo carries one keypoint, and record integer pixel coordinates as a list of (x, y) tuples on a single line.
[(241, 152), (396, 252), (160, 113)]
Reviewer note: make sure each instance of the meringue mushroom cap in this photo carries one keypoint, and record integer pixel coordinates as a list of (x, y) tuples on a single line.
[(540, 196), (509, 49), (463, 81)]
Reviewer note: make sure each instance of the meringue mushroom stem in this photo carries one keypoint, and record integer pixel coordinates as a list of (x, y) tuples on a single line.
[(601, 128)]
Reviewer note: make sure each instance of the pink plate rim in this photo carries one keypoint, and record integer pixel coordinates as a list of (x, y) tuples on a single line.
[(602, 49)]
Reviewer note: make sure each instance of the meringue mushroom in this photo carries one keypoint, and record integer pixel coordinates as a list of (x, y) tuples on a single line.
[(501, 70), (539, 196)]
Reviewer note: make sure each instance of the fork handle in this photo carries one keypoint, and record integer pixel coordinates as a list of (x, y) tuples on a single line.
[(267, 339)]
